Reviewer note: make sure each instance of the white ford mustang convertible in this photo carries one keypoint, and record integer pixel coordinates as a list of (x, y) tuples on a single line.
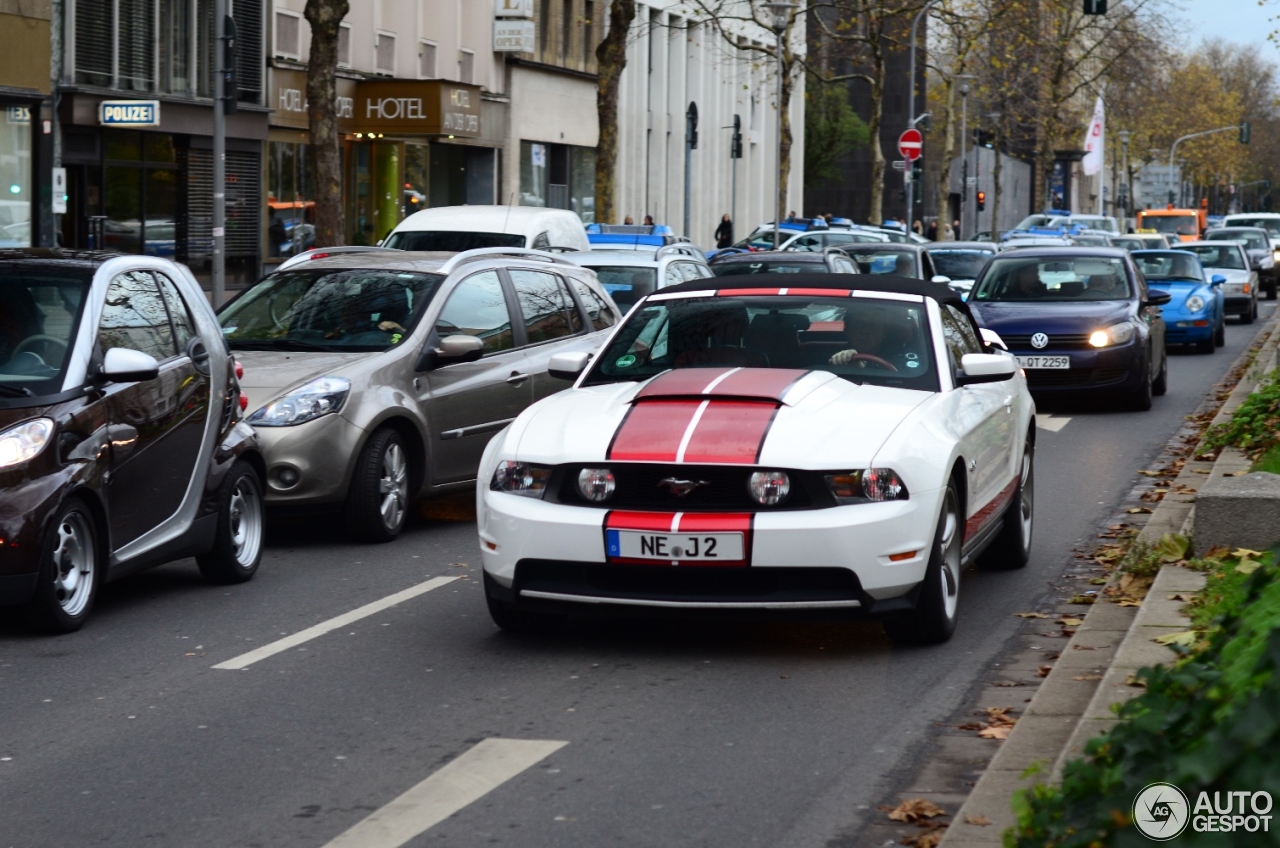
[(798, 444)]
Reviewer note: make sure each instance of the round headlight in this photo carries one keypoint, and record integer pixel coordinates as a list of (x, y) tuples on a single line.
[(596, 484), (769, 488), (1195, 303), (1099, 338)]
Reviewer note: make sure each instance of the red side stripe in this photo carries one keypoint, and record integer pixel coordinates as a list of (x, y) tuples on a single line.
[(991, 511), (653, 430), (730, 431), (681, 382)]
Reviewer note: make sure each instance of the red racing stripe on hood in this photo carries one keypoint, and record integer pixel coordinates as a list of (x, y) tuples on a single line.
[(652, 431), (730, 431), (745, 383)]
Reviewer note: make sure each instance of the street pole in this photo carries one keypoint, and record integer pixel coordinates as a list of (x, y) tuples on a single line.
[(219, 159), (781, 17), (1174, 149), (1124, 174), (735, 153), (964, 151), (690, 142), (911, 108)]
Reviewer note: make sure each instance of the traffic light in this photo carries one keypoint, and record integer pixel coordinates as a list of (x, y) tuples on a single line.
[(917, 176), (1245, 131), (735, 143), (691, 126), (1095, 7), (229, 99), (982, 200)]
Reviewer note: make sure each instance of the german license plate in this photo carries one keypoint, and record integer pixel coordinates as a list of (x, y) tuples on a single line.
[(1044, 361), (689, 547)]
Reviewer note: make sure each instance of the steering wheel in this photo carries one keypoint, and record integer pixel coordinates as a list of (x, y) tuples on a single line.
[(32, 341), (872, 358)]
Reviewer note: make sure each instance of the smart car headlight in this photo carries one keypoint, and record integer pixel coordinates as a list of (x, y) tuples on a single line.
[(1195, 303), (520, 478), (867, 486), (1116, 334), (24, 441), (319, 397)]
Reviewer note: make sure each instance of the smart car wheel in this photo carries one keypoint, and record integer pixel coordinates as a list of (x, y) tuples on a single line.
[(378, 502), (237, 545), (69, 571), (1012, 548), (934, 618)]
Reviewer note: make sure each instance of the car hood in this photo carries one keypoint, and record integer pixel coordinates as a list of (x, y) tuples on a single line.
[(1077, 317), (1233, 275), (269, 373), (815, 421)]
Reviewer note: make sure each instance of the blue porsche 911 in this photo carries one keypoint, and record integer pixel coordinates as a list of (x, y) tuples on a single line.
[(1081, 320), (1196, 314)]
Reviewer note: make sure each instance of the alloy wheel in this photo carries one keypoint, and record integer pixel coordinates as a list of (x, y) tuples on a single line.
[(949, 544), (394, 486)]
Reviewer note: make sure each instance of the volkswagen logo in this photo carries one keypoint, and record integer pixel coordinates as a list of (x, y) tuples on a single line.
[(679, 487), (1039, 341)]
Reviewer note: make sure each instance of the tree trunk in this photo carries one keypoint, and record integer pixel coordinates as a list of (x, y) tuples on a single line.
[(325, 17), (873, 125), (995, 193), (611, 60), (784, 104), (948, 153)]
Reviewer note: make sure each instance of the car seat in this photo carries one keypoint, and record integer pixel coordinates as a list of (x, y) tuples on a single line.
[(777, 336), (713, 334)]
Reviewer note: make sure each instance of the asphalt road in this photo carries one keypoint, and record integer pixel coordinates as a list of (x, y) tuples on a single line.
[(666, 734)]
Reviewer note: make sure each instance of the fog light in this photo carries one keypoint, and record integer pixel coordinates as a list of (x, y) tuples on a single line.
[(285, 477), (596, 484), (769, 488)]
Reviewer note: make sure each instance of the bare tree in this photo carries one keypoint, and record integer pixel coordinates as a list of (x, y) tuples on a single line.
[(611, 61), (325, 18)]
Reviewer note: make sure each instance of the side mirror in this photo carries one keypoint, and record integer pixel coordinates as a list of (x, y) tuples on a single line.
[(986, 368), (1217, 280), (568, 365), (1156, 297), (941, 279), (122, 365), (992, 339), (460, 348)]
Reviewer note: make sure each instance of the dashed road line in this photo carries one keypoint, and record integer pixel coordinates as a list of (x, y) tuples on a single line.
[(294, 640), (465, 780), (1044, 421)]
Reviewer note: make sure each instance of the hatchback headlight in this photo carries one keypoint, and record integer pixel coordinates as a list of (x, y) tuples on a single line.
[(24, 441), (769, 488), (520, 478), (596, 484), (317, 398), (871, 485), (1195, 303), (1116, 334)]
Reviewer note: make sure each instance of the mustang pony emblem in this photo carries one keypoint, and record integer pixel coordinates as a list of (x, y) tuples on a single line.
[(679, 487)]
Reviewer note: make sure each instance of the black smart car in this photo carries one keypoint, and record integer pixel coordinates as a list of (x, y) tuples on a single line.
[(121, 445)]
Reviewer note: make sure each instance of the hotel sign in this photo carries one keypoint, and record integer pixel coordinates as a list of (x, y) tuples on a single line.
[(415, 107), (289, 98), (513, 37), (513, 9), (129, 113)]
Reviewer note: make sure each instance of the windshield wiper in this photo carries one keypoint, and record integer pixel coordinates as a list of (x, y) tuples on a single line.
[(297, 344), (15, 391)]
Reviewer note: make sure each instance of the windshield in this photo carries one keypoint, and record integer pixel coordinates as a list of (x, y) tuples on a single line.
[(1095, 222), (1271, 225), (1052, 279), (1253, 241), (1033, 221), (1128, 243), (883, 261), (768, 266), (1182, 225), (356, 310), (1168, 266), (763, 240), (451, 242), (960, 264), (626, 284), (862, 340), (39, 312), (1226, 256)]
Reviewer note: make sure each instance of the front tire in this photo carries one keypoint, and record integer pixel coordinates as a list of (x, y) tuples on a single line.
[(378, 502), (1140, 400), (1220, 334), (518, 621), (1161, 385), (1011, 549), (934, 619), (237, 544), (70, 571)]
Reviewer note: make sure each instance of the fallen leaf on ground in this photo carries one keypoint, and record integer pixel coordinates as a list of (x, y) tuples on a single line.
[(1082, 599), (914, 809), (1151, 473), (1245, 553), (1087, 677), (1138, 510), (1202, 471), (1071, 622), (1134, 680), (1008, 683), (1030, 615), (1217, 552), (980, 821), (925, 840), (1182, 596), (1128, 602), (1043, 671), (1235, 474), (1000, 732), (1172, 547), (1185, 638), (1098, 581), (1247, 566)]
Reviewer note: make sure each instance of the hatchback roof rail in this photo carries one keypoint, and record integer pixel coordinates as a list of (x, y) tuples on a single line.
[(681, 248), (480, 254), (325, 252)]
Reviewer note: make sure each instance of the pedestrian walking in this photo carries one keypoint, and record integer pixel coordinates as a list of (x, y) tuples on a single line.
[(628, 220), (917, 227), (724, 232), (932, 234), (648, 221), (955, 228)]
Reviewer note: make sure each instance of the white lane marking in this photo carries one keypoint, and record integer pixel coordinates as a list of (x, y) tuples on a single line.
[(718, 380), (688, 431), (245, 660), (464, 781), (1050, 423)]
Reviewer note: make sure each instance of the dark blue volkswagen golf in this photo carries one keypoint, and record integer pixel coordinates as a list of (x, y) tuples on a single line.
[(1079, 319)]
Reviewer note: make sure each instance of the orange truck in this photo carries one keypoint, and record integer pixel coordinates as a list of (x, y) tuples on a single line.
[(1186, 224)]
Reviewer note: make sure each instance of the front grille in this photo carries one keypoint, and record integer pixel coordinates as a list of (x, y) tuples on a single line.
[(639, 487), (1057, 341), (688, 583), (1044, 378)]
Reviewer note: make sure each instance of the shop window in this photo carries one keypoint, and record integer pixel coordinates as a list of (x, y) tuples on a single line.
[(417, 168), (533, 173), (385, 54), (136, 32), (249, 50), (544, 24), (95, 42), (344, 46), (588, 33), (582, 182), (466, 66), (288, 35), (291, 208), (566, 30), (426, 60), (15, 176)]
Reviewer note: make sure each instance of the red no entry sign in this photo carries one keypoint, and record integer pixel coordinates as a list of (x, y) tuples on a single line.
[(910, 143)]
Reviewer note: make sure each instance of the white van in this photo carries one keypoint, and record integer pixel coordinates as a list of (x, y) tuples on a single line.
[(458, 228)]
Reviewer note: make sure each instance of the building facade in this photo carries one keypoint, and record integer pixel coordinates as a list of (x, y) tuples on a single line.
[(26, 216)]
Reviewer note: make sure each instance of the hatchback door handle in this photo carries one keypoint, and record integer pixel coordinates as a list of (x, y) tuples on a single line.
[(517, 378)]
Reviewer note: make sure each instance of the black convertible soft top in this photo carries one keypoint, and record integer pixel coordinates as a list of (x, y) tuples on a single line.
[(891, 283)]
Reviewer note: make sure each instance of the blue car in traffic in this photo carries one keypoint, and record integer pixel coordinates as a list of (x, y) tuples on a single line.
[(1196, 312), (1079, 319)]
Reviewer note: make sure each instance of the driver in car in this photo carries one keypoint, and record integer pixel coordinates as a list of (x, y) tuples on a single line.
[(19, 321), (875, 340)]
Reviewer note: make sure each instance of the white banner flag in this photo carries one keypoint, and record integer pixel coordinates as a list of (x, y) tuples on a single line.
[(1092, 162)]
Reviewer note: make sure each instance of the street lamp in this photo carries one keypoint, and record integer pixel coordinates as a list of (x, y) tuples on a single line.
[(911, 108), (781, 10), (1124, 169), (964, 152)]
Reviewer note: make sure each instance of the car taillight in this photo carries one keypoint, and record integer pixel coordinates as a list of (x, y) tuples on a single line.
[(239, 370), (244, 401)]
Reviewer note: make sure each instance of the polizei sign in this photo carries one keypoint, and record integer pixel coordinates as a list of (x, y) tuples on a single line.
[(129, 113)]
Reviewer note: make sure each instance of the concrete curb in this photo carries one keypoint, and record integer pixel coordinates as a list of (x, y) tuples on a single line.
[(1077, 700)]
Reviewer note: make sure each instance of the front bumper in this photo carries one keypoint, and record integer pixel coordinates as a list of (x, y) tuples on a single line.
[(1188, 329), (320, 452), (1118, 368), (1238, 304), (539, 553)]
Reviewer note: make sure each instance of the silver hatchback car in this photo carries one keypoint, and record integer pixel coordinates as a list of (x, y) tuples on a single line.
[(629, 275), (376, 376)]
